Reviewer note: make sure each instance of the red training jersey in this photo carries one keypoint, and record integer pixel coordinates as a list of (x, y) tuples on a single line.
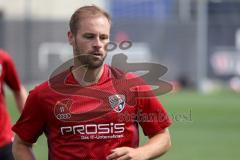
[(88, 122), (9, 76)]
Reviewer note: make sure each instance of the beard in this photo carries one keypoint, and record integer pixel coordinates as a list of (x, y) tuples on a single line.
[(92, 60)]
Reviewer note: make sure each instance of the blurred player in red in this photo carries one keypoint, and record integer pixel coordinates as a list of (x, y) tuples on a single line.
[(9, 76), (82, 111)]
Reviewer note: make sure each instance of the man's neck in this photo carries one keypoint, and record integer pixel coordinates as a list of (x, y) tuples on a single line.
[(85, 76)]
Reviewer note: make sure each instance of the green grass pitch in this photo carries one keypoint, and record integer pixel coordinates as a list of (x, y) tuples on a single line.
[(206, 127)]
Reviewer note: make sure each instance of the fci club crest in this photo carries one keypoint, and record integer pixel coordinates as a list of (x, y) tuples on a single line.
[(117, 102)]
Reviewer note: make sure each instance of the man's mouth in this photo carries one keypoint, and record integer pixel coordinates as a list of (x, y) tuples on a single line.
[(98, 54)]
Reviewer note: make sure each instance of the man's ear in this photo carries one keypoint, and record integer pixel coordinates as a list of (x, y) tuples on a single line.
[(70, 37)]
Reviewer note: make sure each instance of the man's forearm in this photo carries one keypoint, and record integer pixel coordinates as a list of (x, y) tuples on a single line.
[(20, 98), (22, 150), (157, 145)]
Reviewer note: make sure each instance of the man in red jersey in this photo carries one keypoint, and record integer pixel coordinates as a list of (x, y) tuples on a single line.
[(9, 76), (87, 111)]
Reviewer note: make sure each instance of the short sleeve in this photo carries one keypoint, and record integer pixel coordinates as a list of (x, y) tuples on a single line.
[(152, 116), (31, 122), (11, 77)]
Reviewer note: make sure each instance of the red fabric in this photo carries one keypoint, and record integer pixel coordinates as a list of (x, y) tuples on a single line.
[(9, 76), (71, 132)]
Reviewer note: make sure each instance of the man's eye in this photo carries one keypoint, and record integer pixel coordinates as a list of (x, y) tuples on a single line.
[(88, 36), (103, 37)]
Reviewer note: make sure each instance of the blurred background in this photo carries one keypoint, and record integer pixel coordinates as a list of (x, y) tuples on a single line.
[(197, 40)]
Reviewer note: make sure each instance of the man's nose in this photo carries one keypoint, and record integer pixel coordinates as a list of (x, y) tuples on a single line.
[(97, 43)]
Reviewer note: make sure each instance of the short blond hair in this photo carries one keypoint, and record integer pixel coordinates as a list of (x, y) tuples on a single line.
[(84, 12)]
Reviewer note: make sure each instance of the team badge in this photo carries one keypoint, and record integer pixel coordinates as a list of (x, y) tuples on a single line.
[(117, 102)]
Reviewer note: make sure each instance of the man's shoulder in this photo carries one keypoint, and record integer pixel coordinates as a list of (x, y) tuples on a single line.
[(4, 56), (121, 73), (41, 88)]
